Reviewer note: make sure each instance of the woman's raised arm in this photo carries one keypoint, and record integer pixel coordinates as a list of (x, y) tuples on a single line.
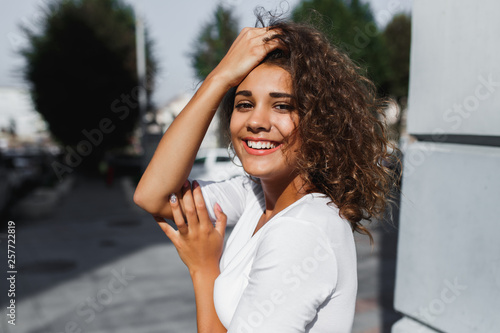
[(173, 159), (175, 154)]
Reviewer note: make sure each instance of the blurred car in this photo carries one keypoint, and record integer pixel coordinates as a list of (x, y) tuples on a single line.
[(6, 185), (23, 167), (215, 164)]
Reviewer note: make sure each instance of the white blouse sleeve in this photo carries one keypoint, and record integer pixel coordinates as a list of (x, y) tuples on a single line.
[(231, 195), (293, 274)]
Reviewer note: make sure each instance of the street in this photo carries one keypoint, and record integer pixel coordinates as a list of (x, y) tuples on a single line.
[(100, 264)]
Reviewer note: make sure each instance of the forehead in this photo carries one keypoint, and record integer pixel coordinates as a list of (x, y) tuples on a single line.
[(267, 78)]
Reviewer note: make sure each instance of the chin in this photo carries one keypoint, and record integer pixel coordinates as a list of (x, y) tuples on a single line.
[(255, 172)]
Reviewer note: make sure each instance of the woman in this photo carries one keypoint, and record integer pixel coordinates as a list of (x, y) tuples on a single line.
[(302, 123)]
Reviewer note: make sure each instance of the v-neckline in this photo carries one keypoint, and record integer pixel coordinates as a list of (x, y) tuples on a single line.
[(256, 232)]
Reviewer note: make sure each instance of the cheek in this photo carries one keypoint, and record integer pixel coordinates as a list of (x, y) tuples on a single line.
[(286, 125), (235, 125), (232, 128)]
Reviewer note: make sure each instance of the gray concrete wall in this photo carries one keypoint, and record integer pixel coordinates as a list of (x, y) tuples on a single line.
[(455, 68), (448, 267)]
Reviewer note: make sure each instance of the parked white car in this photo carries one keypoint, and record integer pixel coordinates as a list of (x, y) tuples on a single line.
[(215, 164)]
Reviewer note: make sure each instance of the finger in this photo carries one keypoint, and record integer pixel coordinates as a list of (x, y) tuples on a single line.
[(189, 207), (177, 215), (265, 40), (199, 202), (257, 35), (272, 45), (221, 222), (171, 233), (272, 40), (247, 33), (271, 32)]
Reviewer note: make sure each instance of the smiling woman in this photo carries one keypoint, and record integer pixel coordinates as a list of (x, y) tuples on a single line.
[(302, 122), (264, 115)]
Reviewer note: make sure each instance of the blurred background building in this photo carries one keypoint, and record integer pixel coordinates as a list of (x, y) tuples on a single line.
[(167, 113), (20, 124)]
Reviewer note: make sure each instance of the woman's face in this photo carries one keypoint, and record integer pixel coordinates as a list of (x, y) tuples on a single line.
[(264, 115)]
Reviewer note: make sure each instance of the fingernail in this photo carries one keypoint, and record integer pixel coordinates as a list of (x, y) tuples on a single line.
[(186, 183), (195, 184), (217, 207), (173, 198)]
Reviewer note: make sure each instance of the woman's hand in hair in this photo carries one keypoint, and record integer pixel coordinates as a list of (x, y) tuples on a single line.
[(247, 51), (197, 241)]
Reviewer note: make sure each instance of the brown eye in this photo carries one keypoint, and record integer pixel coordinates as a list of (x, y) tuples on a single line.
[(243, 105), (285, 107)]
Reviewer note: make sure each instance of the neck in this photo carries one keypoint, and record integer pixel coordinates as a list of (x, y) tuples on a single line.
[(281, 194)]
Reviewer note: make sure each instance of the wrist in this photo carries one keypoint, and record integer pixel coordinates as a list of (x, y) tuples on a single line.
[(219, 80), (205, 272)]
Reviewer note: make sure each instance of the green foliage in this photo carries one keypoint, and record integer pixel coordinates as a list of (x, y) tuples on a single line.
[(213, 42), (211, 45), (79, 63), (385, 55), (350, 25), (397, 36)]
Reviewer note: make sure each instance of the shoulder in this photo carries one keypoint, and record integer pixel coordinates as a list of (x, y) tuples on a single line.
[(238, 185), (311, 223), (316, 211), (233, 195)]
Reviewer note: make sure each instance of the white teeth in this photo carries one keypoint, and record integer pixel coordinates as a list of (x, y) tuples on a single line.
[(261, 144)]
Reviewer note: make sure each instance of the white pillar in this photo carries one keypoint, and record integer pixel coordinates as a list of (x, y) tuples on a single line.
[(448, 266)]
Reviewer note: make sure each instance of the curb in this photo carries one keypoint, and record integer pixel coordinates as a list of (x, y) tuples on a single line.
[(41, 202)]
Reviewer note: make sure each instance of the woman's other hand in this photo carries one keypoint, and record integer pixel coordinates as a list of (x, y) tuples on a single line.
[(197, 241), (247, 51)]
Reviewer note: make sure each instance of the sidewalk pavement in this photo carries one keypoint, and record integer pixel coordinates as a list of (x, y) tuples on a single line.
[(100, 264)]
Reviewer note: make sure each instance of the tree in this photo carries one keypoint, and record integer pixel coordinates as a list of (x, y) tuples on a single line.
[(351, 26), (81, 66), (397, 36), (213, 42)]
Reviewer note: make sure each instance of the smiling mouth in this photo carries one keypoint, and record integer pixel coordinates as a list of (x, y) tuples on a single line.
[(261, 145)]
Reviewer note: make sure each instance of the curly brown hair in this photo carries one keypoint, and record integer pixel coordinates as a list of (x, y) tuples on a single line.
[(344, 151)]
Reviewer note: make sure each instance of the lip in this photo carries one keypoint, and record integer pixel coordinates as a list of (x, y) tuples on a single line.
[(260, 152)]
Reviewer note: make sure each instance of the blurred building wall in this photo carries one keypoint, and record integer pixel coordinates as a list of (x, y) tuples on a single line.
[(16, 110), (167, 114), (448, 266)]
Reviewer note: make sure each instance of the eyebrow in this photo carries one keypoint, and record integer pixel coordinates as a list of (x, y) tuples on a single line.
[(280, 95), (248, 93)]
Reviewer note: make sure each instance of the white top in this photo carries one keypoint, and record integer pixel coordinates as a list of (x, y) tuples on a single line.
[(296, 274)]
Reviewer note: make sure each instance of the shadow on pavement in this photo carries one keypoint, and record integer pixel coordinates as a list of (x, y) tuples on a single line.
[(93, 225)]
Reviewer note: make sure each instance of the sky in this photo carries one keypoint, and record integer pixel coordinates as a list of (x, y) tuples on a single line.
[(173, 26)]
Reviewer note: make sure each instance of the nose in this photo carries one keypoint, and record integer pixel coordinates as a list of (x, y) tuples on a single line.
[(258, 120)]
